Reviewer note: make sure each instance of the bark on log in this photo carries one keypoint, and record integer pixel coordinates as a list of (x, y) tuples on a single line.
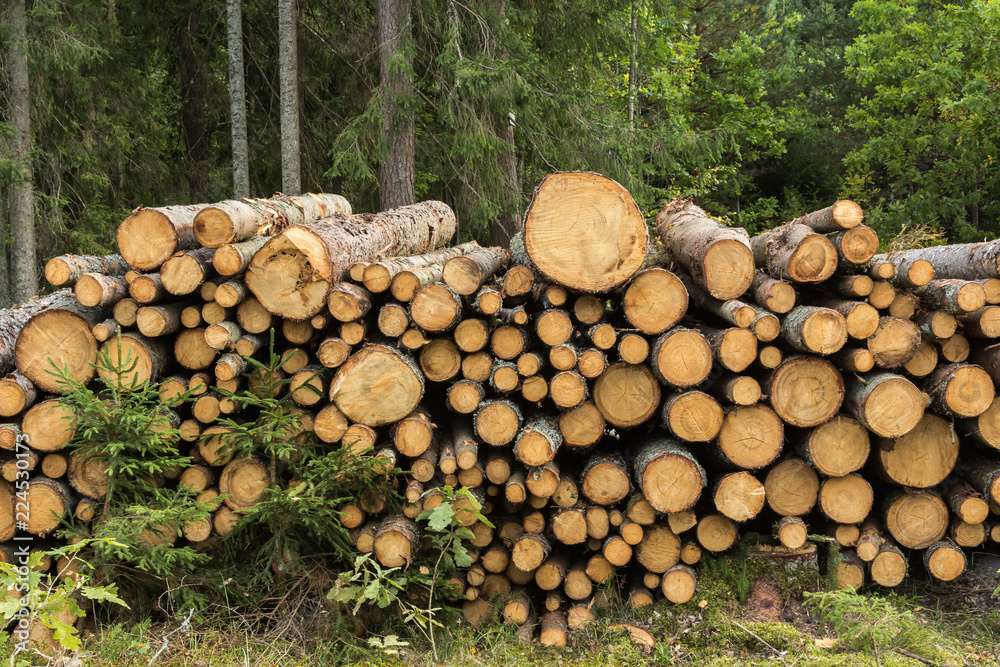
[(968, 261), (232, 221), (888, 405), (842, 214), (56, 337), (292, 273), (815, 329), (467, 273), (960, 390), (718, 258), (796, 252)]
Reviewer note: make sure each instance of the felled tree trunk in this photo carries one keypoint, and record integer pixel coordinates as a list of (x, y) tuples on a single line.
[(291, 275)]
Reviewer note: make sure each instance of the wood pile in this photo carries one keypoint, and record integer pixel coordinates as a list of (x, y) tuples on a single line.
[(619, 405)]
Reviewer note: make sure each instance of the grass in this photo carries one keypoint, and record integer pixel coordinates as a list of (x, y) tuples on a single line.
[(819, 628)]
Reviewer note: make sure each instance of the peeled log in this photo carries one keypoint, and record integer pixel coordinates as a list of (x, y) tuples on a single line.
[(718, 258), (58, 337), (888, 405), (584, 231), (805, 391), (377, 385), (232, 221), (291, 275), (795, 252), (668, 474)]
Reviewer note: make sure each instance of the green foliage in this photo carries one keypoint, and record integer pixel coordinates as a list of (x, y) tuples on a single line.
[(124, 425), (298, 514), (52, 600), (930, 72), (370, 583)]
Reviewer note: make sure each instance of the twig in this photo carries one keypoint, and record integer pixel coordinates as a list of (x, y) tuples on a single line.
[(920, 658), (165, 643), (755, 636)]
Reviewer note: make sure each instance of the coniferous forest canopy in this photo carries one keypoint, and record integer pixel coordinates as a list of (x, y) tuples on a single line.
[(760, 111)]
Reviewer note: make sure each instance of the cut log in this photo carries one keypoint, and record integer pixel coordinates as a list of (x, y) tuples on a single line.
[(888, 405), (842, 214), (850, 287), (945, 560), (791, 532), (582, 426), (54, 338), (519, 279), (922, 458), (861, 318), (147, 288), (882, 295), (49, 501), (601, 249), (952, 296), (904, 305), (688, 345), (716, 533), (814, 329), (569, 526), (923, 362), (396, 541), (735, 348), (149, 236), (956, 349), (466, 274), (497, 422), (604, 479), (185, 271), (538, 442), (855, 246), (568, 389), (960, 390), (17, 393), (983, 323), (968, 261), (659, 549), (854, 359), (738, 496), (49, 425), (967, 503), (655, 301), (737, 389), (679, 583), (529, 551), (796, 252), (441, 361), (232, 221), (472, 335), (775, 295), (971, 535), (717, 257), (791, 488), (292, 273), (751, 436), (233, 258), (916, 520), (108, 328), (632, 348), (554, 629), (161, 320), (96, 289), (628, 395), (836, 447), (670, 477), (377, 385), (693, 416), (846, 499), (911, 271), (65, 270), (984, 475), (348, 302), (508, 342), (850, 571), (134, 360)]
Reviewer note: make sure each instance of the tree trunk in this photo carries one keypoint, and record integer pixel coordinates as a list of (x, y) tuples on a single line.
[(795, 251), (237, 99), (968, 261), (291, 172), (65, 270), (192, 90), (22, 203), (232, 221), (397, 175), (843, 214), (508, 223)]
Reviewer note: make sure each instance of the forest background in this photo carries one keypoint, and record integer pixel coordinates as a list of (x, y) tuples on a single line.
[(760, 111)]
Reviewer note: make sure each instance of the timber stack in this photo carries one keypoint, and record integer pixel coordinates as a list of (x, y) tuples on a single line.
[(619, 402)]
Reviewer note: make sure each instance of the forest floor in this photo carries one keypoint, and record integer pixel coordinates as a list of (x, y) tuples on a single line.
[(744, 613)]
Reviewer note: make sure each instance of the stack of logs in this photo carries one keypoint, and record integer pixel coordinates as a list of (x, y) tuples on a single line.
[(617, 406)]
